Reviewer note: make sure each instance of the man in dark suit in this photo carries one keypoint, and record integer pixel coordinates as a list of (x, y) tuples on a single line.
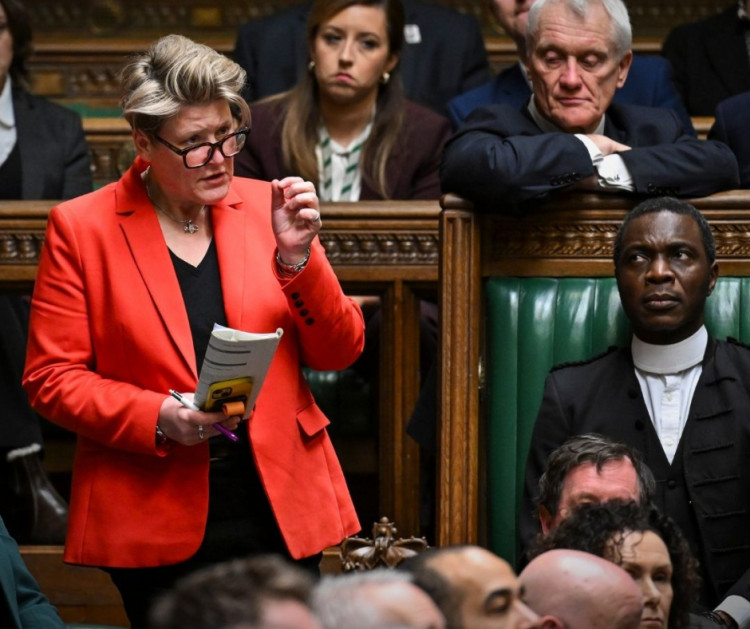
[(650, 79), (443, 53), (569, 134), (679, 397), (731, 127), (43, 155), (710, 58)]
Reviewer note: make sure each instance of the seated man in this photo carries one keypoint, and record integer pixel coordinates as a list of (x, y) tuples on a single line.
[(372, 600), (710, 58), (570, 589), (586, 468), (474, 588), (259, 591), (443, 53), (679, 397), (731, 126), (570, 135), (650, 79)]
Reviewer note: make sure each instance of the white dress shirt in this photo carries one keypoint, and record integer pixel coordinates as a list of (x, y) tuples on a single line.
[(8, 135), (668, 375)]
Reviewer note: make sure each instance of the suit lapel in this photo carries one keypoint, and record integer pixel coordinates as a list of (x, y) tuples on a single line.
[(26, 128), (230, 225), (143, 234), (512, 88)]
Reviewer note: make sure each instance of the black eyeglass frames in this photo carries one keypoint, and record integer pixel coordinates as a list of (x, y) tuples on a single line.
[(199, 155)]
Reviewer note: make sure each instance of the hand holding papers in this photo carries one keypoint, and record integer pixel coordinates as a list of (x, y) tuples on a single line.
[(234, 368)]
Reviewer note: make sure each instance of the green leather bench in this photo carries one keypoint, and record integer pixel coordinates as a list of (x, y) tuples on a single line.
[(535, 323)]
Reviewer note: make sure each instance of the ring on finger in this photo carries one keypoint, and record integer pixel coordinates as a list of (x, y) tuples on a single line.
[(200, 432)]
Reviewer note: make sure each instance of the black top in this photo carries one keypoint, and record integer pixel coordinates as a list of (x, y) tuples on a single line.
[(201, 292), (10, 175)]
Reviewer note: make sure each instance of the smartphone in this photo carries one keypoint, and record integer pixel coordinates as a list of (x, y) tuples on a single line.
[(220, 393)]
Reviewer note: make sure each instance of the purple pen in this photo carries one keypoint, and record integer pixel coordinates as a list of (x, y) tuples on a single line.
[(192, 406)]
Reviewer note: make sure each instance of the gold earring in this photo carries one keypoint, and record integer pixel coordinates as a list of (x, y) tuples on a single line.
[(385, 78), (311, 66)]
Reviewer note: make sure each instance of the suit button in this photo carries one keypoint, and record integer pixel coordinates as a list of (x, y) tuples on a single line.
[(299, 303), (672, 484), (304, 312), (309, 321), (295, 295)]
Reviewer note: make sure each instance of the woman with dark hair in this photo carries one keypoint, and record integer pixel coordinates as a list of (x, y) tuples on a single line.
[(647, 544), (346, 125), (43, 155)]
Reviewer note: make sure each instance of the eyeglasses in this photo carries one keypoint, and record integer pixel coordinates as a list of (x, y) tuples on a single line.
[(199, 155)]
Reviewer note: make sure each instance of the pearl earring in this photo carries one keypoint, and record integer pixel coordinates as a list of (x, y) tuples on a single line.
[(385, 78)]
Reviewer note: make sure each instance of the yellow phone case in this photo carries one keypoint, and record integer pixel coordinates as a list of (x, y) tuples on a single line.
[(220, 393)]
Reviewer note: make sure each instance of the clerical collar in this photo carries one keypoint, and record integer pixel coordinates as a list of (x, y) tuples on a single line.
[(549, 127), (670, 359), (7, 117)]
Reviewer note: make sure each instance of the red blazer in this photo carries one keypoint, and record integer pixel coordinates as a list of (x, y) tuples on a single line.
[(109, 336)]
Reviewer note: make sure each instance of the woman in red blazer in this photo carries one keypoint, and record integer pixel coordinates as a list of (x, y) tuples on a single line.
[(131, 280)]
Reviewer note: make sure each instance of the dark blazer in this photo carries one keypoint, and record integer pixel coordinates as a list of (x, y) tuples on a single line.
[(650, 84), (55, 161), (501, 157), (55, 164), (603, 396), (412, 170), (448, 59), (732, 126), (710, 60), (23, 606)]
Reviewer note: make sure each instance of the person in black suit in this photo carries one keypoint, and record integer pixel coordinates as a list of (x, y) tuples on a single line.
[(731, 126), (43, 155), (443, 54), (650, 78), (679, 397), (570, 135), (710, 58)]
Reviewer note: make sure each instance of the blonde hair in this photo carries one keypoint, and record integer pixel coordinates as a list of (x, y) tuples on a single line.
[(176, 71)]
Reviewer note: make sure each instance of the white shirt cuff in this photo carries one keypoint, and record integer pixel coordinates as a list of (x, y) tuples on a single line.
[(738, 608)]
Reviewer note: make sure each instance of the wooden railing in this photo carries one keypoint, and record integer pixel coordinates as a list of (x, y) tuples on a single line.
[(570, 236)]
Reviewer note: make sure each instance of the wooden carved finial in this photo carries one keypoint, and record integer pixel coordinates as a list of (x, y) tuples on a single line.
[(383, 550)]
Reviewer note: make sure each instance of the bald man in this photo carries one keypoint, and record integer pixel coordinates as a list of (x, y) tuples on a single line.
[(570, 589)]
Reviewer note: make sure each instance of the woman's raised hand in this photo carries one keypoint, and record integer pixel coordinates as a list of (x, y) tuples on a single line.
[(296, 217)]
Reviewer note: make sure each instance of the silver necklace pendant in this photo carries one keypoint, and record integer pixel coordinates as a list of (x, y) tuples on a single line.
[(189, 227)]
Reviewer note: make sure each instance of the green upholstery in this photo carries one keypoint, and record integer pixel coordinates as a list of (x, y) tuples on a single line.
[(535, 323), (347, 399)]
